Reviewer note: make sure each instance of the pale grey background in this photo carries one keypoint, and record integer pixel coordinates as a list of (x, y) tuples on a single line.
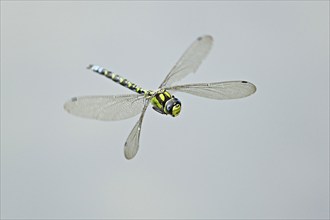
[(266, 156)]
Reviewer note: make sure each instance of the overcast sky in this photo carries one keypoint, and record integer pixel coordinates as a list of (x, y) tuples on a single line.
[(264, 156)]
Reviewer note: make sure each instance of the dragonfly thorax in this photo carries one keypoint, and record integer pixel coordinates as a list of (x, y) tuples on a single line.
[(165, 103)]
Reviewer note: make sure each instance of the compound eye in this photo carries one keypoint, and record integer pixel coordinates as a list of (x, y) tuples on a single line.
[(169, 107)]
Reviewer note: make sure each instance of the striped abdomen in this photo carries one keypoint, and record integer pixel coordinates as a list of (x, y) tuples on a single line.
[(117, 78)]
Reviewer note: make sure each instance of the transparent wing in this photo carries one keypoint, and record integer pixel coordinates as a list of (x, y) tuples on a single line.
[(132, 143), (106, 108), (218, 90), (190, 60)]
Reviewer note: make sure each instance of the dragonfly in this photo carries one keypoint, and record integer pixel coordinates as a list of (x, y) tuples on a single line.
[(119, 107)]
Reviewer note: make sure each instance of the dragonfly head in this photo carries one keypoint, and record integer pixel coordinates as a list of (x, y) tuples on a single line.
[(173, 107)]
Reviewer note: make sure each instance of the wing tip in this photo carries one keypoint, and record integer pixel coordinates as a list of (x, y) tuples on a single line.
[(128, 153), (253, 88), (205, 37), (68, 103)]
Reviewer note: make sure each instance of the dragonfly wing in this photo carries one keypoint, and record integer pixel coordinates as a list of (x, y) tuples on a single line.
[(132, 143), (106, 108), (218, 90), (190, 60)]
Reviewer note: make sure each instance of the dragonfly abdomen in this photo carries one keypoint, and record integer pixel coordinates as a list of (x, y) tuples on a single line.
[(117, 78)]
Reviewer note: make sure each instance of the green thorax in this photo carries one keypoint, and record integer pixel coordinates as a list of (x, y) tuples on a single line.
[(159, 99)]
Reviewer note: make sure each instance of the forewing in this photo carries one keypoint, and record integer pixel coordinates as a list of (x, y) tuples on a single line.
[(106, 108), (218, 90), (132, 143), (190, 60)]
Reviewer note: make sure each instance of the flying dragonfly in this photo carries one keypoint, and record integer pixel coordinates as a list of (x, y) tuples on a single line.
[(119, 107)]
